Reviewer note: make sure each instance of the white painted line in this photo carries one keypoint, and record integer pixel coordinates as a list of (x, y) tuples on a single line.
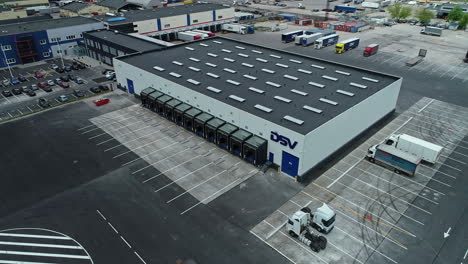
[(141, 157), (23, 253), (29, 108), (422, 109), (443, 164), (39, 245), (152, 142), (131, 132), (9, 114), (437, 171), (139, 257), (128, 245), (442, 75), (85, 127), (118, 128), (466, 254), (447, 157), (19, 111), (396, 130), (22, 262), (93, 129), (281, 253), (457, 74), (99, 212), (432, 178), (197, 185), (34, 236), (115, 230), (344, 173)]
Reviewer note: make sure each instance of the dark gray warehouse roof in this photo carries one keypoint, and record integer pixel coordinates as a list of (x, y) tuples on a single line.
[(141, 15), (294, 91), (124, 40), (75, 6)]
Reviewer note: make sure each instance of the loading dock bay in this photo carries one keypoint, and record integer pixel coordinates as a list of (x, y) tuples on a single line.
[(380, 214)]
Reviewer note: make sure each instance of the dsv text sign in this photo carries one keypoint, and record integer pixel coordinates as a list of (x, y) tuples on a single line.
[(282, 140)]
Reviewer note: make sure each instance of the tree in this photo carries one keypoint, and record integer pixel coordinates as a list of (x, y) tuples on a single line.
[(395, 10), (455, 14), (463, 22), (424, 15), (405, 12)]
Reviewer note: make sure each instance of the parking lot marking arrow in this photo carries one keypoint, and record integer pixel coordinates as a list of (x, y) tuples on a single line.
[(446, 234)]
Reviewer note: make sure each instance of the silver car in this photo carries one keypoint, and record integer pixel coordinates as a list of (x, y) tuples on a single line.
[(63, 98), (6, 82), (50, 83)]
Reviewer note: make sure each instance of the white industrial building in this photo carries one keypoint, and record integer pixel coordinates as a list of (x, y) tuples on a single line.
[(300, 109)]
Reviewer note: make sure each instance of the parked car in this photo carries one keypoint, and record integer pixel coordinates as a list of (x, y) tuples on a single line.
[(95, 89), (31, 93), (103, 87), (24, 89), (6, 93), (34, 87), (75, 67), (47, 89), (43, 102), (281, 4), (104, 72), (59, 70), (38, 74), (412, 21), (402, 20), (71, 77), (63, 98), (16, 91), (58, 81), (110, 75), (22, 79), (54, 66), (78, 80), (42, 84), (64, 85), (67, 68), (64, 78), (6, 82), (50, 82), (14, 81), (78, 93), (382, 10)]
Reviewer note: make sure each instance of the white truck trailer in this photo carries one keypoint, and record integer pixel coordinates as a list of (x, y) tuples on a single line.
[(188, 36), (371, 4), (326, 41), (426, 151), (298, 39), (209, 33), (310, 39), (202, 35), (236, 28)]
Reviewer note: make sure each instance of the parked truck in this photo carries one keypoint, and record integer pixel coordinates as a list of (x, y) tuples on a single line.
[(370, 50), (326, 41), (188, 36), (393, 158), (346, 45), (358, 1), (434, 31), (209, 33), (325, 32), (202, 35), (236, 28), (290, 36), (347, 9), (298, 39), (310, 39), (371, 4), (250, 28), (302, 223), (424, 150)]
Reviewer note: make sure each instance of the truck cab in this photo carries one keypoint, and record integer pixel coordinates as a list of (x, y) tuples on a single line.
[(370, 50), (323, 219), (340, 48)]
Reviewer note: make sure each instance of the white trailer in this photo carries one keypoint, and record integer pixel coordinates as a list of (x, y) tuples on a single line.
[(298, 39), (370, 4), (236, 28), (310, 39), (209, 33), (326, 41), (426, 151), (188, 36), (202, 35)]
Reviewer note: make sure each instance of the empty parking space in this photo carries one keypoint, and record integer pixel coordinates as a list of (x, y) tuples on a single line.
[(174, 162), (380, 213)]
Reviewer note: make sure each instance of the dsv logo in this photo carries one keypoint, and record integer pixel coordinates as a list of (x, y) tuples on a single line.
[(282, 140)]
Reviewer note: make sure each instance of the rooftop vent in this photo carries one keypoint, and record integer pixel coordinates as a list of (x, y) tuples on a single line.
[(328, 101), (317, 84), (217, 42), (194, 69), (294, 78), (257, 51), (275, 56), (212, 75), (263, 108), (256, 90), (237, 98), (261, 60), (230, 60), (158, 68), (370, 79), (175, 74), (204, 45), (344, 73), (215, 90), (330, 78), (226, 50), (229, 70), (243, 55), (358, 85), (345, 92), (299, 92), (304, 71), (295, 61), (268, 71), (247, 65), (250, 77), (189, 48), (318, 66), (211, 64), (239, 47), (192, 81), (286, 100), (313, 109), (282, 65), (212, 55), (194, 59), (178, 63), (293, 119), (274, 84), (233, 82)]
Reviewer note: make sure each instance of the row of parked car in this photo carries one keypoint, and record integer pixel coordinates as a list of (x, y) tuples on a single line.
[(44, 103), (63, 82)]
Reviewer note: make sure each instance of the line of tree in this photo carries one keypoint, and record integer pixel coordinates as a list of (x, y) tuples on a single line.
[(457, 15), (424, 15)]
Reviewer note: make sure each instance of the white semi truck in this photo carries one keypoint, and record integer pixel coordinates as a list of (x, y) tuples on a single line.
[(422, 149), (236, 28)]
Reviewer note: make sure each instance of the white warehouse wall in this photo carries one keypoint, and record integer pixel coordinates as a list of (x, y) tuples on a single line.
[(173, 22), (202, 17), (225, 13), (252, 123), (146, 25), (329, 137)]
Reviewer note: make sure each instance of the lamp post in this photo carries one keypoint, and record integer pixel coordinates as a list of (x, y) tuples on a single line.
[(60, 49)]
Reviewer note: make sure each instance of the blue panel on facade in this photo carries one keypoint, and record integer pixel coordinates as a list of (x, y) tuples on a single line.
[(188, 19), (131, 88), (214, 15), (25, 48), (159, 24), (289, 164), (271, 157)]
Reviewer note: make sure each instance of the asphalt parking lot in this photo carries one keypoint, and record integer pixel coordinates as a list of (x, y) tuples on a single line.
[(383, 217)]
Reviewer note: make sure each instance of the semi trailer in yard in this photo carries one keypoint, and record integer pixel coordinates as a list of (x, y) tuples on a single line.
[(347, 9), (347, 45), (298, 39), (434, 31), (209, 33), (236, 28), (422, 149), (187, 36), (391, 157), (326, 41), (291, 36), (310, 39), (370, 50)]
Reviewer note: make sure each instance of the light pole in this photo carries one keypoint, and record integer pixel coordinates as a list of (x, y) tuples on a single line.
[(60, 49), (6, 60)]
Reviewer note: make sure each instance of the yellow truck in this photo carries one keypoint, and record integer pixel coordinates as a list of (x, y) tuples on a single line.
[(346, 45)]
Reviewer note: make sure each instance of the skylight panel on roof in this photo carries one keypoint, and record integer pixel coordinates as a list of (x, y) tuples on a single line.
[(243, 55), (263, 108), (290, 77), (211, 64), (215, 90), (175, 74), (237, 98), (370, 79), (217, 42), (358, 85), (295, 61), (189, 48), (158, 68), (280, 98), (345, 92), (299, 92), (313, 109), (239, 47), (274, 84), (282, 65), (261, 60), (212, 75), (330, 78), (328, 101), (192, 81), (343, 72), (212, 55), (178, 63), (317, 66), (230, 60), (293, 119), (257, 51), (226, 50), (194, 69), (204, 45), (304, 71), (275, 56), (250, 77), (268, 71), (317, 84), (256, 90), (247, 65), (233, 82), (229, 70), (194, 59)]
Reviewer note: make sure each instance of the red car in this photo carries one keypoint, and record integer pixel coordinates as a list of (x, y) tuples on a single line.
[(42, 84), (101, 101), (64, 85), (39, 74)]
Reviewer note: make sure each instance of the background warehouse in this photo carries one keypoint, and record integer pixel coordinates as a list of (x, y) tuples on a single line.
[(304, 107)]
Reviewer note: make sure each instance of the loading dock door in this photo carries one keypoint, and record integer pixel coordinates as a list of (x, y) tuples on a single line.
[(131, 89), (289, 164)]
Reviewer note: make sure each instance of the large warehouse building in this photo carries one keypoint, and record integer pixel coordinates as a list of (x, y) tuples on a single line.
[(260, 103)]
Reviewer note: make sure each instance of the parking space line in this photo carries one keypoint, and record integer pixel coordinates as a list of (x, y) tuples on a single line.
[(281, 253), (115, 121), (133, 131), (433, 179), (21, 113), (6, 98), (34, 236), (124, 134), (118, 128), (443, 109), (423, 68), (438, 171), (29, 108), (152, 142), (462, 70), (443, 164), (141, 157), (38, 245), (343, 174), (438, 120), (9, 114), (450, 68), (447, 157), (40, 254), (398, 60)]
